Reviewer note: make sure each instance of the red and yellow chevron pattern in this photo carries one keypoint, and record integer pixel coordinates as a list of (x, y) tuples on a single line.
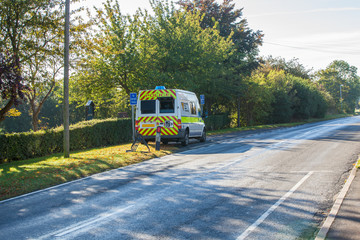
[(154, 94), (164, 130)]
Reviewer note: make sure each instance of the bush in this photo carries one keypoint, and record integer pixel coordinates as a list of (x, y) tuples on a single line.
[(84, 135), (281, 107), (215, 122)]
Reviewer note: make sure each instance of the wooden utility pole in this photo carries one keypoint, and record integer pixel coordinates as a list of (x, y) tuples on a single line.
[(66, 81)]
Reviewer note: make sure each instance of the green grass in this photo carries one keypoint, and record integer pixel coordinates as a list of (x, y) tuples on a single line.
[(20, 177), (358, 164)]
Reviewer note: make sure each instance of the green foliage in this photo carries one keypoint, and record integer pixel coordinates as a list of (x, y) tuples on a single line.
[(340, 73), (215, 122), (274, 96), (32, 31), (142, 51), (292, 66), (185, 55), (84, 135), (282, 112), (21, 123)]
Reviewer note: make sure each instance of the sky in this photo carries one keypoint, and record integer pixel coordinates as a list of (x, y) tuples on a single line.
[(316, 32)]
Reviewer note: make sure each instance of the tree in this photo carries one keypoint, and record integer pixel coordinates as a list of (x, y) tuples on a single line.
[(110, 68), (289, 66), (142, 51), (11, 84), (33, 32), (186, 55), (340, 73), (231, 23)]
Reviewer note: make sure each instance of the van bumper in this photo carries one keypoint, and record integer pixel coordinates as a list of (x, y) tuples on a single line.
[(176, 138)]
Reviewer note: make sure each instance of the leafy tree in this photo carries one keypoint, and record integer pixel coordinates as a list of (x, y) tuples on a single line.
[(289, 66), (340, 73), (230, 23), (139, 52), (11, 84), (186, 55), (110, 68), (288, 96), (33, 32), (256, 100)]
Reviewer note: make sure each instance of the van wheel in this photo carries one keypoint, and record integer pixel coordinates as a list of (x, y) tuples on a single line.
[(185, 140), (203, 136)]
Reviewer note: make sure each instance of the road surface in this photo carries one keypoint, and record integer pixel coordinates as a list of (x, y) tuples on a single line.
[(275, 184)]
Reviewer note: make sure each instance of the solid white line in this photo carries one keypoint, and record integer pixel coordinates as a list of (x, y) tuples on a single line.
[(272, 208), (336, 207)]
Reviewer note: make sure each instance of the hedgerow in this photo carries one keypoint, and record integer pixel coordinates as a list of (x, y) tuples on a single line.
[(83, 135)]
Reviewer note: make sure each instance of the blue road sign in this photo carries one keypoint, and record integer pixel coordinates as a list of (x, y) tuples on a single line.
[(133, 99), (202, 99)]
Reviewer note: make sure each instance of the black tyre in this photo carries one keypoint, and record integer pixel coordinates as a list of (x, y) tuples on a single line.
[(185, 140), (203, 136)]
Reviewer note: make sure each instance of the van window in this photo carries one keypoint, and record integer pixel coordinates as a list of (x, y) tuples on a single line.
[(185, 107), (148, 106), (166, 104), (193, 108)]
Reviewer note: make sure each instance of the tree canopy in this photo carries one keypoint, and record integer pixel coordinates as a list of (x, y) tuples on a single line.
[(199, 45), (341, 75)]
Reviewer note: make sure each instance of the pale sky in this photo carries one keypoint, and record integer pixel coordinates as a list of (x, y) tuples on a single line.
[(314, 31)]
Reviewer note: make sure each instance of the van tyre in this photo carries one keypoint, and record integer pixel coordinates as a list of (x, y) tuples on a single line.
[(185, 140), (203, 136)]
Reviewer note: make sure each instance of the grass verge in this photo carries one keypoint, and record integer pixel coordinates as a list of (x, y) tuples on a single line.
[(20, 177)]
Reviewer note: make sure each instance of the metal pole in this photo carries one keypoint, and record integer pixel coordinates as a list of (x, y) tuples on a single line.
[(133, 124), (66, 81), (341, 97)]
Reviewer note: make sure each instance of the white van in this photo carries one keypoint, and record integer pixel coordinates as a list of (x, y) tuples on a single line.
[(177, 112)]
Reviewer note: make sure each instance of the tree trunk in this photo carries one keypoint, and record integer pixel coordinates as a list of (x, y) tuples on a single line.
[(5, 109), (36, 109), (35, 121)]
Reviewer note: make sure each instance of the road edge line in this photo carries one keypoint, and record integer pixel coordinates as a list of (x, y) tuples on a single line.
[(336, 207)]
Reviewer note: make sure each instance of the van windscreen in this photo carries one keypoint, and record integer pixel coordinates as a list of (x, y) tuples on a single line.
[(166, 104), (148, 107)]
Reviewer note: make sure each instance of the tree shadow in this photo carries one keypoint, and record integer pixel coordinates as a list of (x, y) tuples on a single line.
[(172, 203)]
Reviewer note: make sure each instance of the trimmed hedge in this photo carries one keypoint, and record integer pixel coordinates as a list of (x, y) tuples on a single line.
[(215, 122), (84, 135)]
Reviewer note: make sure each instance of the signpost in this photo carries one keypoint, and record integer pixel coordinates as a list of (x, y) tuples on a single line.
[(202, 99), (133, 101), (202, 102)]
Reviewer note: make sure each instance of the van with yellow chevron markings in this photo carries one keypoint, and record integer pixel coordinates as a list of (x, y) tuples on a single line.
[(177, 112)]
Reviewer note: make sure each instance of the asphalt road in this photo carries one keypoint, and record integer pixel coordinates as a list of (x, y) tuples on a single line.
[(258, 185)]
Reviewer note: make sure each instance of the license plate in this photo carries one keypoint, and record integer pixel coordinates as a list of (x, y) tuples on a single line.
[(148, 125)]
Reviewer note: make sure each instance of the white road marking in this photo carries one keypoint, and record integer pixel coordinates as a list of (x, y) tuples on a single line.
[(336, 207), (273, 207), (89, 223), (84, 225)]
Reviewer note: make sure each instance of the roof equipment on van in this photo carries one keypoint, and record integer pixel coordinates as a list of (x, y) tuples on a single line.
[(160, 88)]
